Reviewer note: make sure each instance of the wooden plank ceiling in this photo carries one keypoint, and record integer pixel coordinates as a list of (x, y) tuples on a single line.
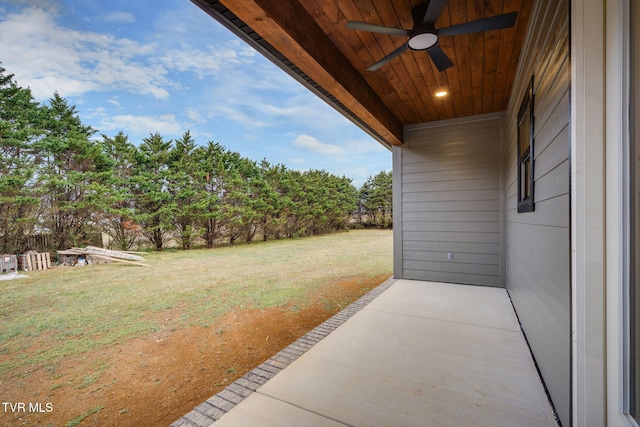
[(310, 37)]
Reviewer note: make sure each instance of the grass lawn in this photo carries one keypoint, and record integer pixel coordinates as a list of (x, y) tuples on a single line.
[(67, 311)]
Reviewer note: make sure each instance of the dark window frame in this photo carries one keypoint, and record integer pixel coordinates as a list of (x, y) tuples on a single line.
[(525, 157)]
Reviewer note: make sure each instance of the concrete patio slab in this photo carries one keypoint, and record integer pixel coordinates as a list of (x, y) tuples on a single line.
[(260, 410), (420, 354), (476, 305)]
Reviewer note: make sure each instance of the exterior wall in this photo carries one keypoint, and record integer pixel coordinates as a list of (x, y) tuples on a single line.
[(447, 186), (538, 258)]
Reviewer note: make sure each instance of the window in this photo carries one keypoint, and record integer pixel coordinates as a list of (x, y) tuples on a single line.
[(525, 152)]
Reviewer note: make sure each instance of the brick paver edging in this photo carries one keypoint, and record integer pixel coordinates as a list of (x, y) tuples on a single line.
[(210, 411)]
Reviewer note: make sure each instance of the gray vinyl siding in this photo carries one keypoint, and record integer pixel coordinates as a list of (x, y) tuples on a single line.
[(447, 185), (455, 191), (538, 243)]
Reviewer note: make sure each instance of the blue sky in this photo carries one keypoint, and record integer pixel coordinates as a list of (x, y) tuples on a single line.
[(165, 66)]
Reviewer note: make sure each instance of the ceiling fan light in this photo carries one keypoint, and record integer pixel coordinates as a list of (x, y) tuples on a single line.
[(423, 41)]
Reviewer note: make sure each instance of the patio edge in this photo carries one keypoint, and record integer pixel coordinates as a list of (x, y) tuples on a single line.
[(215, 407)]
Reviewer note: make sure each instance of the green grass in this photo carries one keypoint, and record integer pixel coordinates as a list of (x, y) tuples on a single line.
[(66, 311), (77, 420)]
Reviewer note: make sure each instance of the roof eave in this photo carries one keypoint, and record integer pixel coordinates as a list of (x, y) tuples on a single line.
[(372, 115)]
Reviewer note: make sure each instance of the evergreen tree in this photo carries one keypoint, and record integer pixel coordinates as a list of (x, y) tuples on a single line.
[(211, 192), (155, 208), (72, 173), (56, 181), (236, 209), (20, 128), (294, 203), (376, 199), (330, 200), (118, 219), (184, 174), (273, 201)]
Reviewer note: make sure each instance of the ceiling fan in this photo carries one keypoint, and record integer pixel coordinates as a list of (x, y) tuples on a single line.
[(424, 35)]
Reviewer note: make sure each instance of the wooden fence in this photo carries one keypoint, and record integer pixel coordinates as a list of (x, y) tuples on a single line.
[(38, 243)]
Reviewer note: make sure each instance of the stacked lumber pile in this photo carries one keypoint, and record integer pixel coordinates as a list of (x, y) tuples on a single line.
[(95, 255)]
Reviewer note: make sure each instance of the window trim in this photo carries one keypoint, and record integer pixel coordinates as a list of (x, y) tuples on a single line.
[(526, 204), (631, 179)]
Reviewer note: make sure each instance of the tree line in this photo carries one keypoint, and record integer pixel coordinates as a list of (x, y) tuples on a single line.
[(58, 179)]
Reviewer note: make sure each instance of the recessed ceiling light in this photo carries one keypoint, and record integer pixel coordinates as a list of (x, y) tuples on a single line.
[(442, 93)]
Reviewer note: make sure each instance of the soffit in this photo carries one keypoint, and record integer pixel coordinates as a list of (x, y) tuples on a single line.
[(309, 39)]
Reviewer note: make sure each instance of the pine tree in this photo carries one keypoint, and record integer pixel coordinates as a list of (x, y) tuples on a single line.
[(376, 197), (155, 208), (184, 176), (118, 219), (72, 170), (210, 192), (20, 128)]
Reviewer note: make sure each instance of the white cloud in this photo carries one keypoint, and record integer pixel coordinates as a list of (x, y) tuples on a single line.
[(97, 112), (292, 111), (114, 102), (310, 143), (297, 160), (120, 18), (165, 124), (252, 105), (194, 115), (46, 57), (202, 63), (237, 115), (366, 146)]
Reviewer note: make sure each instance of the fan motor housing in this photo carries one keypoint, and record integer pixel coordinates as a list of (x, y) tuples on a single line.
[(423, 39)]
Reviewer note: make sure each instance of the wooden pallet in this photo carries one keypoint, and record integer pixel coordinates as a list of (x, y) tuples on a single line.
[(36, 261), (8, 263)]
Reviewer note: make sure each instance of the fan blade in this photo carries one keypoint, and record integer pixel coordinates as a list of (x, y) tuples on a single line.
[(434, 11), (493, 23), (439, 58), (388, 58), (355, 25)]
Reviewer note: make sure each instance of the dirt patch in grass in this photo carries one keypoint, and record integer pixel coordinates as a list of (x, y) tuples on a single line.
[(154, 380)]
